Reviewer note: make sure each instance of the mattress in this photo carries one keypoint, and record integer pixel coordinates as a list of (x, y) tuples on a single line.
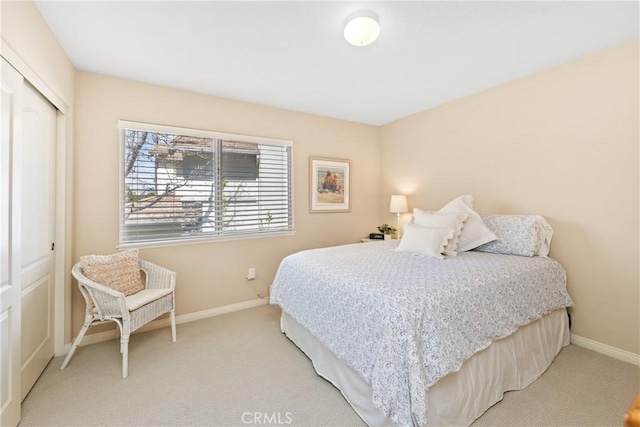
[(403, 322)]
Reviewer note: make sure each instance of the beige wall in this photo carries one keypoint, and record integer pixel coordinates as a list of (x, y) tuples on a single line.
[(562, 143), (30, 46), (212, 274), (26, 32)]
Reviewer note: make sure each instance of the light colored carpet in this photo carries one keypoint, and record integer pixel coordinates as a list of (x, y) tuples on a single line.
[(238, 369)]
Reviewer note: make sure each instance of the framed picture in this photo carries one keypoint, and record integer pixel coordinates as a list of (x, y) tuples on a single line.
[(330, 185)]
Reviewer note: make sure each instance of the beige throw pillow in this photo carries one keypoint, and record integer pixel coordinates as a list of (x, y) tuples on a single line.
[(119, 271)]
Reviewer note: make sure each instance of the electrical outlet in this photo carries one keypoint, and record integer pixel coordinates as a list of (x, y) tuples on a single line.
[(251, 273)]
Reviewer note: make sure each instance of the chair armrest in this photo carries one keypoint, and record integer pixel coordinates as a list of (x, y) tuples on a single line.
[(107, 301), (158, 277)]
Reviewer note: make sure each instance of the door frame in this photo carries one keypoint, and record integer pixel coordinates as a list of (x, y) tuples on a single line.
[(63, 220)]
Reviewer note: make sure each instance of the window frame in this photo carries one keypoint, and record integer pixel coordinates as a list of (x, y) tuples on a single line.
[(124, 125)]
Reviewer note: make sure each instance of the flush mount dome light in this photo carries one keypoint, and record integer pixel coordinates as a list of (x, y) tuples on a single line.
[(362, 28)]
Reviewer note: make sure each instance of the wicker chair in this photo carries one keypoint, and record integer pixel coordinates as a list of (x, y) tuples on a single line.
[(130, 313)]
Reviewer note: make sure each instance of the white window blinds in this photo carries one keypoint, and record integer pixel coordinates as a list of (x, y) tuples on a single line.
[(182, 184)]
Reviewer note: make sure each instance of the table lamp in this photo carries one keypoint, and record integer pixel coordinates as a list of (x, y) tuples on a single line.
[(398, 205)]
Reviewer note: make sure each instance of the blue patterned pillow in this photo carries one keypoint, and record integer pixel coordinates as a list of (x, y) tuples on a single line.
[(517, 234)]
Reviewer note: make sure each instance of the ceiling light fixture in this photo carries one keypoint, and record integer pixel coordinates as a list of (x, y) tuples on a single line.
[(362, 28)]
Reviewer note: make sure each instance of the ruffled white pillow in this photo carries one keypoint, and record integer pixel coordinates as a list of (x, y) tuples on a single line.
[(475, 232), (424, 241), (453, 221)]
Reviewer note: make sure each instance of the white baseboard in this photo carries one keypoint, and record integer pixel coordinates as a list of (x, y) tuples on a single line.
[(163, 323), (596, 346), (616, 353)]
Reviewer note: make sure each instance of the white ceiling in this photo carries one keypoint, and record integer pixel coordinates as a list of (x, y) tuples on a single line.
[(292, 54)]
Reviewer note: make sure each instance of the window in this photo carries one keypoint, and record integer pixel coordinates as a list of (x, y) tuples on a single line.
[(183, 184)]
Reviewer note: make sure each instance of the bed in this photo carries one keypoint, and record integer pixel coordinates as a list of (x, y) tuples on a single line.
[(412, 340)]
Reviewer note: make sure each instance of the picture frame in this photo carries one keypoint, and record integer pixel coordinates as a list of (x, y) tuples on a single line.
[(329, 185)]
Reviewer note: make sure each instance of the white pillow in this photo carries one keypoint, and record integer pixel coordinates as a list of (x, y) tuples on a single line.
[(475, 232), (453, 221), (424, 241)]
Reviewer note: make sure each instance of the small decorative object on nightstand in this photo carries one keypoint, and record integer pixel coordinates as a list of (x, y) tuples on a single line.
[(387, 230), (373, 237)]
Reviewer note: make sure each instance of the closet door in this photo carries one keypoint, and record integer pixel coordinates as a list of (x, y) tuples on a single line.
[(10, 289), (27, 200), (38, 220)]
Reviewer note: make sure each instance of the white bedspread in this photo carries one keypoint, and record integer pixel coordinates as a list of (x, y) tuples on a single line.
[(403, 321)]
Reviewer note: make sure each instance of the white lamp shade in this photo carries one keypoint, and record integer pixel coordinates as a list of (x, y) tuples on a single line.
[(362, 28), (398, 204)]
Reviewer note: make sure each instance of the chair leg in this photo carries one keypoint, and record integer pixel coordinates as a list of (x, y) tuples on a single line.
[(87, 323), (124, 345), (172, 315)]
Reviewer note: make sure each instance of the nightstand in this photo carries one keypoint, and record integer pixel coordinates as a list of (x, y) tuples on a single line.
[(368, 240)]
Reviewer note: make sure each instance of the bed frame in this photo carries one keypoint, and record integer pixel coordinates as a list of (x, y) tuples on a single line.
[(511, 363)]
